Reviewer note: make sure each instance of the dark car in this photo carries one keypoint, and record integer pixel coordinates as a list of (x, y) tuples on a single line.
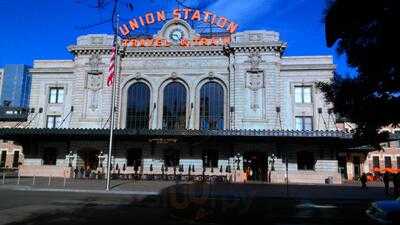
[(385, 212)]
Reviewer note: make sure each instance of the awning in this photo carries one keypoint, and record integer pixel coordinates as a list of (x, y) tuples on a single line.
[(131, 134)]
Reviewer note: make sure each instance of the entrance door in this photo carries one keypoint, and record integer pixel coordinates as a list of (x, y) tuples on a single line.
[(255, 164), (90, 159), (3, 159), (357, 167), (16, 159), (342, 163)]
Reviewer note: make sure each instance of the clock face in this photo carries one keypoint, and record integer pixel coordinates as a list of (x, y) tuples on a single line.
[(176, 35)]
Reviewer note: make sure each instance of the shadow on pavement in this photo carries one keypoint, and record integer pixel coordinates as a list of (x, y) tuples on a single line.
[(205, 204)]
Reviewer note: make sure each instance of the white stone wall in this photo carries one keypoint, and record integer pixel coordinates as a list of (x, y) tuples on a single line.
[(255, 77), (253, 107)]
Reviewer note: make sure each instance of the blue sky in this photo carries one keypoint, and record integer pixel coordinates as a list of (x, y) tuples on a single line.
[(42, 29)]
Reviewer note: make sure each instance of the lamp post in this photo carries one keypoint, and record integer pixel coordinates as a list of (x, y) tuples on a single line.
[(70, 158)]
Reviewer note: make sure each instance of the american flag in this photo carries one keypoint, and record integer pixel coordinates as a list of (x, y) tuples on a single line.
[(111, 68)]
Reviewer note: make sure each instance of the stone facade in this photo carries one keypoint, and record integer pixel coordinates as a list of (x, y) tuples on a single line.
[(366, 160), (11, 154), (258, 85)]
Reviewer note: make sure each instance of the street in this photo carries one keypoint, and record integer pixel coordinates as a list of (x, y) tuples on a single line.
[(181, 204)]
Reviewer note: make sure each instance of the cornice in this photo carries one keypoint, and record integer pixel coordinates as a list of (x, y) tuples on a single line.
[(308, 67), (278, 47), (51, 70)]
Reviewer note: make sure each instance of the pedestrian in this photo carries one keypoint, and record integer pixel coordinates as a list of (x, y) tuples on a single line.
[(396, 184), (82, 172), (76, 172), (386, 180), (363, 180)]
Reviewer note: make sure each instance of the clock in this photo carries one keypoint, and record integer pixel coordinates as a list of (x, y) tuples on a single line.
[(176, 35)]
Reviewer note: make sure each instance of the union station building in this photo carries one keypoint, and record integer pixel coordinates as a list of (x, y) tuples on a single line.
[(219, 110)]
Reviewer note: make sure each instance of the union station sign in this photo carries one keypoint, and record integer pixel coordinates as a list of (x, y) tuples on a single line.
[(180, 33)]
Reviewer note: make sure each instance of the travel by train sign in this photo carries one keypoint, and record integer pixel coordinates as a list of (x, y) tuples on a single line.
[(177, 35)]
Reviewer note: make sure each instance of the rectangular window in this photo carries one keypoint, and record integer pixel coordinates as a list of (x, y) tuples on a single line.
[(398, 162), (134, 157), (49, 156), (56, 95), (305, 160), (210, 158), (171, 158), (16, 159), (302, 94), (388, 162), (3, 159), (53, 121), (375, 162), (304, 123)]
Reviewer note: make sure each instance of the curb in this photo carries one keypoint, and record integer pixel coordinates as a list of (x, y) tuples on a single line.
[(115, 192)]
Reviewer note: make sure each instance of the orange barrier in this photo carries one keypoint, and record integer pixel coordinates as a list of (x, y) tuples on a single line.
[(386, 170)]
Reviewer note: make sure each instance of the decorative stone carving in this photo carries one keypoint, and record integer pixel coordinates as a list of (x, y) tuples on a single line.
[(255, 82), (211, 75), (94, 81), (138, 76), (95, 63), (255, 60), (254, 78), (174, 75)]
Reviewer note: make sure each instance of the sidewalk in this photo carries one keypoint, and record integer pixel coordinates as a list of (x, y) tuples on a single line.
[(348, 191)]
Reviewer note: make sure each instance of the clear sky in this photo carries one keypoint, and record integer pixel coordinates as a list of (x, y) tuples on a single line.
[(42, 29)]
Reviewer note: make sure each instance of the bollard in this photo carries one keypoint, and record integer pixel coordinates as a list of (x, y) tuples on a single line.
[(19, 178), (49, 181), (33, 180), (4, 177)]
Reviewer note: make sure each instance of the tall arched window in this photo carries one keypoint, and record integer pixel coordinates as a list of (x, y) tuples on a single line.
[(137, 116), (212, 106), (174, 109)]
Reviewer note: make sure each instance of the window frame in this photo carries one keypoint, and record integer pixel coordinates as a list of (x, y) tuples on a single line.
[(388, 163), (134, 157), (303, 123), (58, 99), (49, 159), (374, 165), (171, 157), (137, 117), (304, 162), (211, 162), (178, 119), (302, 94), (54, 123), (211, 106), (398, 162)]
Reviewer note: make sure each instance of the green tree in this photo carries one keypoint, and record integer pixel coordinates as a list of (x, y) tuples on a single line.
[(367, 32)]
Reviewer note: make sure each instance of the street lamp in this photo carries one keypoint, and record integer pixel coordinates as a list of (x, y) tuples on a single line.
[(70, 158)]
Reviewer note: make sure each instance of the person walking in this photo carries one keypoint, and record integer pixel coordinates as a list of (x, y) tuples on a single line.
[(82, 171), (396, 184), (76, 172), (363, 180), (386, 180)]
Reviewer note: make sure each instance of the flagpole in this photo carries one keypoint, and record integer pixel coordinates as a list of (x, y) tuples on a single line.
[(112, 108)]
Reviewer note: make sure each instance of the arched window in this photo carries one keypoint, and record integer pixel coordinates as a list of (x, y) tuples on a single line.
[(138, 106), (174, 109), (212, 106)]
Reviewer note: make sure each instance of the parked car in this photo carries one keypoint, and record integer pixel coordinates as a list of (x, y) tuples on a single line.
[(385, 212)]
